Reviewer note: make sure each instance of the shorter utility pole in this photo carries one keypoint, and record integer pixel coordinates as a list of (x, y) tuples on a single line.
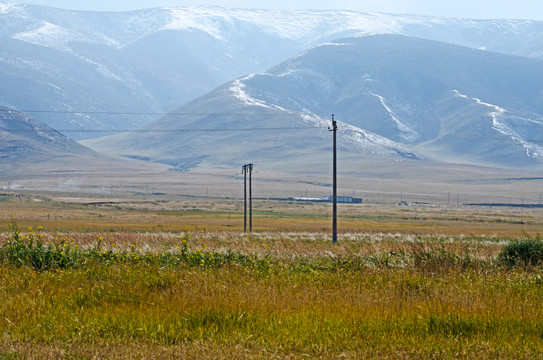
[(247, 168), (250, 198)]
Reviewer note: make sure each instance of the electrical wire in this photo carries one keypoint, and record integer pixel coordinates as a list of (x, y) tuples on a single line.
[(169, 130), (68, 112)]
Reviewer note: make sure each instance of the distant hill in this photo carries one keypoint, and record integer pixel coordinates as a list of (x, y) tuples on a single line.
[(25, 140), (30, 148), (396, 97), (90, 69)]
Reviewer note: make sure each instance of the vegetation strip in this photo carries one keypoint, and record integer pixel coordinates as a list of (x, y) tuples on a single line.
[(418, 297)]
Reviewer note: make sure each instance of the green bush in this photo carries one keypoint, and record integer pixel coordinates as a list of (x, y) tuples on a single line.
[(522, 252), (29, 249)]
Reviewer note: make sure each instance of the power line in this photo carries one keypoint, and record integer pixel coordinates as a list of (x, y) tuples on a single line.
[(169, 130), (158, 131), (73, 112)]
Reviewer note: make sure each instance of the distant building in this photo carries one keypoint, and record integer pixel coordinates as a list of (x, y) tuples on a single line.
[(329, 198), (308, 199), (344, 199)]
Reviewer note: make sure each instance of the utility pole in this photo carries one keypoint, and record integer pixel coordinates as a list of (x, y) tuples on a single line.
[(334, 176), (247, 168), (250, 198), (244, 171)]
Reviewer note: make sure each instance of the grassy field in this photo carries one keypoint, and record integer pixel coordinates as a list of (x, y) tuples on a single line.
[(200, 215), (84, 279)]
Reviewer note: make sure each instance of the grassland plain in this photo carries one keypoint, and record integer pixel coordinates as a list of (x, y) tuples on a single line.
[(74, 289), (418, 297), (200, 215)]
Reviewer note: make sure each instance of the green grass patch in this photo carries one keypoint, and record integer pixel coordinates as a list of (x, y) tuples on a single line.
[(524, 252)]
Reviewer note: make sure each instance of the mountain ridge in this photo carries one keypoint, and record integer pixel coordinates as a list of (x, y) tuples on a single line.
[(396, 97), (151, 61), (25, 140)]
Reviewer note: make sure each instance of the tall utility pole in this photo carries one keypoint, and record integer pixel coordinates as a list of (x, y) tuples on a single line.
[(334, 194), (244, 171), (247, 168)]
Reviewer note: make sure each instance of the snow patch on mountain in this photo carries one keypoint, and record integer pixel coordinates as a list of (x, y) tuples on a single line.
[(50, 35), (362, 140), (305, 27), (205, 19), (335, 44), (303, 53), (6, 8), (498, 110), (408, 134), (31, 65), (238, 89), (308, 24), (500, 122), (47, 135), (100, 68), (503, 126)]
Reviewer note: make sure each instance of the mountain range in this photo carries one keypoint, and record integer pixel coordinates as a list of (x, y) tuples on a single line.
[(81, 71), (174, 82), (395, 96)]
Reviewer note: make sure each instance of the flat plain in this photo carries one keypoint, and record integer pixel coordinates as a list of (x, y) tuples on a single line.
[(166, 277)]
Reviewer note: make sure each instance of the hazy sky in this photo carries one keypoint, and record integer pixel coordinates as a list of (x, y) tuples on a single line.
[(477, 9)]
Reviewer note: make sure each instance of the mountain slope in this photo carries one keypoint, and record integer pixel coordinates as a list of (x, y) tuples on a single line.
[(96, 67), (226, 127), (436, 97), (26, 141), (396, 97), (30, 149)]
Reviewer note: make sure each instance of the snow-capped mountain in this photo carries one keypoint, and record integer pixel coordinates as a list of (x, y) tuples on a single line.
[(395, 96), (91, 68)]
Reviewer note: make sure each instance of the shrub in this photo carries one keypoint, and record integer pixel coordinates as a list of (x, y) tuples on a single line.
[(522, 252), (30, 250)]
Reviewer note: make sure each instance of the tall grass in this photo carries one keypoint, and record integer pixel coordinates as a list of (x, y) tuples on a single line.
[(30, 250), (526, 252), (419, 297)]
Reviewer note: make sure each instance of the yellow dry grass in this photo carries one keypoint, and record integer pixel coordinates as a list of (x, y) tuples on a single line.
[(401, 283), (87, 214)]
